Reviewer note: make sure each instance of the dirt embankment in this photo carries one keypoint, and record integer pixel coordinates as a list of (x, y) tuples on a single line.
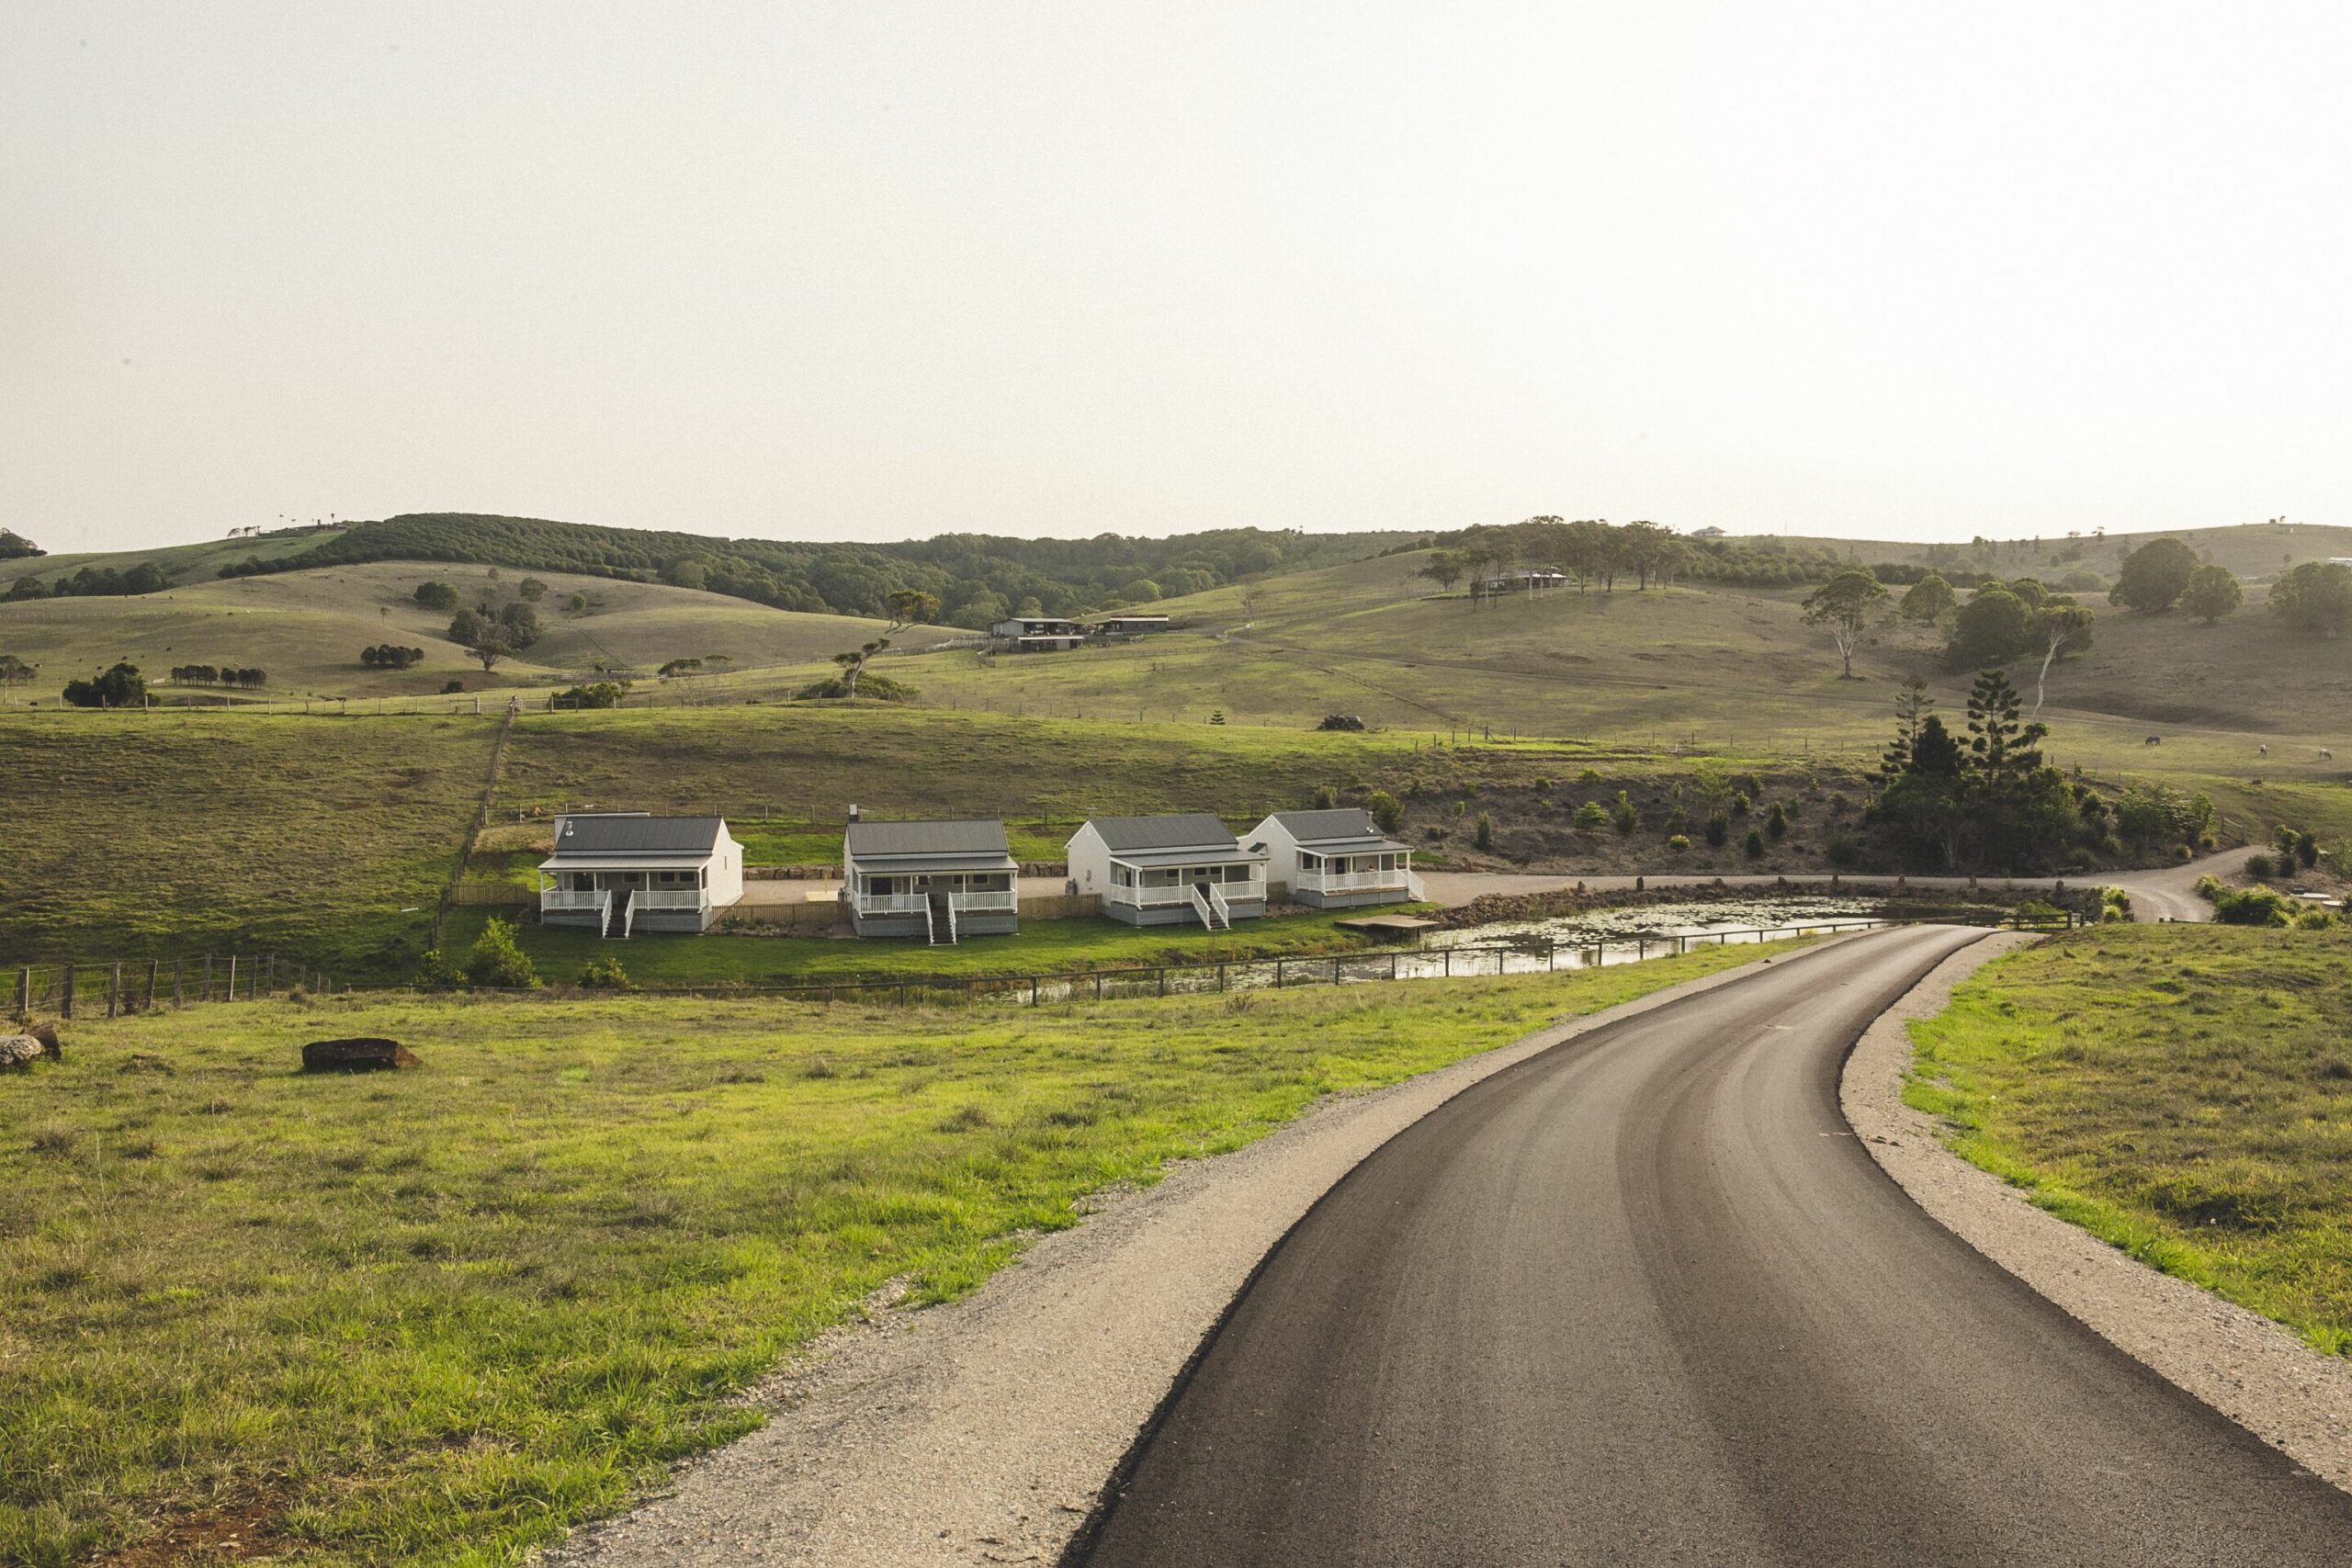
[(1901, 899)]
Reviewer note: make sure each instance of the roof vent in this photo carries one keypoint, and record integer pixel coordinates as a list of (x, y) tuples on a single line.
[(852, 811)]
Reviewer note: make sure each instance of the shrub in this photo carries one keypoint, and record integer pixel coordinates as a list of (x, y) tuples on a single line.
[(1461, 806), (1739, 804), (1485, 836), (436, 973), (2314, 919), (1843, 849), (1777, 824), (1591, 817), (1387, 815), (1677, 822), (436, 595), (452, 687), (1588, 777), (496, 961), (2252, 907), (1542, 787), (1718, 829), (1327, 798), (604, 974), (2258, 865), (2306, 850), (1626, 818), (2210, 888), (598, 694), (1678, 844), (1754, 845)]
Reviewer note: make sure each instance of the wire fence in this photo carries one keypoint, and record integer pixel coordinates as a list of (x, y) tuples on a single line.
[(114, 988)]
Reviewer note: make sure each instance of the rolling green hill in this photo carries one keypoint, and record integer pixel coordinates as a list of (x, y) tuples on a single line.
[(306, 628)]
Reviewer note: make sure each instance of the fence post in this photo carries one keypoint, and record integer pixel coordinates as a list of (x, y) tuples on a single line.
[(1163, 980), (1449, 962), (152, 966), (114, 988), (66, 1001), (229, 994), (1278, 973), (1033, 991), (1220, 976), (902, 993), (180, 968), (1335, 971), (208, 978)]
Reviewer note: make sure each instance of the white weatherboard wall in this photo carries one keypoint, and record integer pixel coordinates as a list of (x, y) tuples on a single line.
[(725, 872), (1282, 850), (1090, 860)]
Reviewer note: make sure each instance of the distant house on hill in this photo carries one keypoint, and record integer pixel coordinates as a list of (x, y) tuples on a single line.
[(1335, 859), (619, 872), (1153, 870), (1532, 580), (1039, 633), (1710, 531), (943, 881), (1131, 626)]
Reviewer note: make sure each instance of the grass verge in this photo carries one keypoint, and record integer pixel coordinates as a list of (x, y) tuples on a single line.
[(2182, 1092), (440, 1315)]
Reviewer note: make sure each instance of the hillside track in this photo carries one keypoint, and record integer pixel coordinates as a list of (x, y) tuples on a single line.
[(1644, 1298)]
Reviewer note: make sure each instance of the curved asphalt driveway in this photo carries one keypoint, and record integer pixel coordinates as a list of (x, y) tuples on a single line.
[(1644, 1298)]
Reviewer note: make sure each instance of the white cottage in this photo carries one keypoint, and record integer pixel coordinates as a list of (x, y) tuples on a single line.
[(944, 881), (619, 872), (1152, 870), (1335, 859)]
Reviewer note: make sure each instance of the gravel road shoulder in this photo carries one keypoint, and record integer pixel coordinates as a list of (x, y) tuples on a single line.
[(2238, 1363), (983, 1432)]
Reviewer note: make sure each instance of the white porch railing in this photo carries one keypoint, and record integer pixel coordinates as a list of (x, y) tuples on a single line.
[(563, 898), (668, 898), (1397, 879), (1413, 885), (1000, 902), (1181, 893), (893, 903), (1224, 908)]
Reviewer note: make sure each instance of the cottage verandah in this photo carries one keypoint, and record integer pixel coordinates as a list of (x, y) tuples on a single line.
[(617, 872)]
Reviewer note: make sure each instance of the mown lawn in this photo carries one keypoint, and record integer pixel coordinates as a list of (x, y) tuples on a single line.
[(438, 1316), (131, 835), (1040, 947), (2184, 1092)]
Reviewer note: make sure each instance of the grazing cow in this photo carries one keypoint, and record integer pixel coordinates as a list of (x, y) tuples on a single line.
[(2154, 741), (2264, 749)]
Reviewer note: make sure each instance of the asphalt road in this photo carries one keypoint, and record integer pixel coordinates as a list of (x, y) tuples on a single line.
[(2168, 893), (1644, 1298)]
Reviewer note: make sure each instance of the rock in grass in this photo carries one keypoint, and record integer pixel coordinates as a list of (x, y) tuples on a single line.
[(47, 1034), (361, 1055), (19, 1051)]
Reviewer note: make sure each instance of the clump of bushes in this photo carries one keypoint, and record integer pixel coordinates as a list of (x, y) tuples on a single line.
[(1678, 844), (1718, 831), (1387, 815), (1327, 798), (1625, 817), (2258, 865), (1777, 824), (1590, 817), (1485, 835), (1754, 845), (604, 974), (2252, 907), (1590, 777), (497, 961), (597, 694)]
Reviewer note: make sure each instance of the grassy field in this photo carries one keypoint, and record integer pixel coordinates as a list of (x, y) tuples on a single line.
[(1041, 947), (2183, 1092), (436, 1317), (132, 835), (307, 628)]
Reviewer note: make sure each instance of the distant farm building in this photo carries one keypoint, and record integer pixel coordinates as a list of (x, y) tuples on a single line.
[(619, 872), (1152, 870), (1710, 531), (1131, 626), (1039, 633), (942, 881), (1532, 580), (1335, 860)]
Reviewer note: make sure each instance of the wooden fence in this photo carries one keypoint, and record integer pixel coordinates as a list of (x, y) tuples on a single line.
[(113, 988)]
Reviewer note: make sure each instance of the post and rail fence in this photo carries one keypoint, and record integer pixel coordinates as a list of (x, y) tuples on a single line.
[(117, 987), (112, 989)]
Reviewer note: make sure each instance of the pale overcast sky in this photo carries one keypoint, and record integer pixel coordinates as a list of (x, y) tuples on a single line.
[(873, 270)]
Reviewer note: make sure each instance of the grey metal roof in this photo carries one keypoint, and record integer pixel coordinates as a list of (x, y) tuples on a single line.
[(637, 835), (1195, 829), (1234, 856), (868, 839), (1347, 826)]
